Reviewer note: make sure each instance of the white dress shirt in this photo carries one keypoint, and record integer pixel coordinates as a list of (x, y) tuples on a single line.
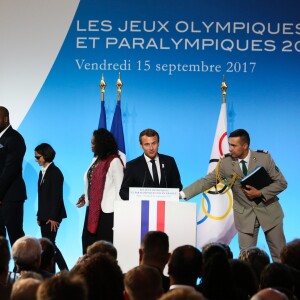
[(149, 164)]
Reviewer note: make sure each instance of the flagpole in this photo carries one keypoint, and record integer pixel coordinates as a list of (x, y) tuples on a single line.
[(102, 85), (102, 119), (224, 89), (119, 85)]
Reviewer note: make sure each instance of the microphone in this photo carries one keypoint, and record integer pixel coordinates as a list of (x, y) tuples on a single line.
[(164, 171)]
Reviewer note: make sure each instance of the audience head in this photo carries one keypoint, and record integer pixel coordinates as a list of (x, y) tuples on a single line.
[(103, 276), (278, 276), (155, 249), (63, 286), (104, 247), (269, 294), (244, 277), (25, 289), (47, 256), (182, 294), (257, 258), (212, 248), (143, 283), (290, 254), (4, 258), (185, 265), (228, 250), (217, 279), (26, 253)]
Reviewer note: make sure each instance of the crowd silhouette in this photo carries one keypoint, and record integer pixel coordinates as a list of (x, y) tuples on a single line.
[(211, 273)]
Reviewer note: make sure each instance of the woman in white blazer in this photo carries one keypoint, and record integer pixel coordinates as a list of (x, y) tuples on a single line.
[(102, 182)]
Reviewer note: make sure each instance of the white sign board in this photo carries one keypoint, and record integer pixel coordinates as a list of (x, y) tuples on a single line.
[(142, 193)]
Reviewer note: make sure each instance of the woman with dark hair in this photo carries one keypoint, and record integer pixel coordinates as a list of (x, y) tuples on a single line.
[(102, 180), (51, 208)]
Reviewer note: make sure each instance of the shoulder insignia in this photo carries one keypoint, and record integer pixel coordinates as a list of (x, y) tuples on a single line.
[(227, 155), (262, 151)]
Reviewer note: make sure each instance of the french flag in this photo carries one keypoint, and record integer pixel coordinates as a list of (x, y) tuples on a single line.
[(152, 217), (117, 131), (102, 119)]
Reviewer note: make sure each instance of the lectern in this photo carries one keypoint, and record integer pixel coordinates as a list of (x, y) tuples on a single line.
[(151, 209)]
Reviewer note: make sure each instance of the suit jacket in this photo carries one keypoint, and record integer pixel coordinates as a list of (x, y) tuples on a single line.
[(12, 151), (50, 195), (137, 174), (268, 211)]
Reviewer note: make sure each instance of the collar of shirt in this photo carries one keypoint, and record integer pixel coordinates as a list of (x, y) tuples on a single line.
[(44, 169), (246, 159), (182, 286), (148, 159), (1, 133)]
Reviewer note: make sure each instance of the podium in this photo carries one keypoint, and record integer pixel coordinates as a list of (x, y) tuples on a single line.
[(151, 209)]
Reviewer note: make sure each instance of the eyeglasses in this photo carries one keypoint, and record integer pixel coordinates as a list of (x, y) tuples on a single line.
[(38, 157)]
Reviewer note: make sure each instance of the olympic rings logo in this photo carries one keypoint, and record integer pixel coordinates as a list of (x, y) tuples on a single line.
[(221, 141), (207, 211)]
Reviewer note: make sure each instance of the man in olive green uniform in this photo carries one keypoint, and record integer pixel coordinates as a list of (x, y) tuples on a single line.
[(252, 208)]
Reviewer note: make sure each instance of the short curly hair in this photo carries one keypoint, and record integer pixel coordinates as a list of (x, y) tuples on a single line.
[(105, 143)]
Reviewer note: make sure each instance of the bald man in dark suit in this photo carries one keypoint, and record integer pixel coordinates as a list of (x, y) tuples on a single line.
[(12, 185)]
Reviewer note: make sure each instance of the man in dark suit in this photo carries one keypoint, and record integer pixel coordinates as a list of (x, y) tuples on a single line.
[(51, 208), (12, 185), (150, 169)]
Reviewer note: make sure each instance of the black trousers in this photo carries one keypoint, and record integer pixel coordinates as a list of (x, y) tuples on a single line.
[(51, 235), (11, 220), (104, 230)]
